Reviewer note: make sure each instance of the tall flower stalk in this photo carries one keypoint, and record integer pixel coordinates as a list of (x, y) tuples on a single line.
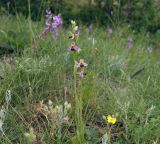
[(79, 73), (78, 108)]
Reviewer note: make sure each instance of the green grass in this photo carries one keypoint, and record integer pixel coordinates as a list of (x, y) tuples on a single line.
[(121, 81)]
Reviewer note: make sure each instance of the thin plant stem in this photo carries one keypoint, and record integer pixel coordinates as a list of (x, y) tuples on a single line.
[(78, 109)]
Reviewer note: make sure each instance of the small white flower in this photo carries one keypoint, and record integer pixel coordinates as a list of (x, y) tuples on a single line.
[(50, 103)]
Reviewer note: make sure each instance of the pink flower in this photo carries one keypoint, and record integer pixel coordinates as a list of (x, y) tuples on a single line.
[(81, 64), (82, 74), (44, 33), (74, 47), (57, 21), (52, 23), (110, 30), (130, 44)]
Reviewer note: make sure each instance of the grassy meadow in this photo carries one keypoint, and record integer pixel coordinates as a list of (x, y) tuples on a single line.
[(38, 78)]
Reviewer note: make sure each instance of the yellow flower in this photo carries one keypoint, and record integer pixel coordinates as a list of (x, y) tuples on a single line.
[(111, 120)]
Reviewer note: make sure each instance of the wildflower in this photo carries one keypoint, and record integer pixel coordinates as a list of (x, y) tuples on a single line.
[(149, 49), (71, 35), (75, 28), (47, 23), (57, 21), (50, 103), (46, 30), (52, 23), (110, 30), (48, 13), (111, 119), (73, 23), (74, 35), (81, 64), (129, 44), (74, 47), (82, 74)]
